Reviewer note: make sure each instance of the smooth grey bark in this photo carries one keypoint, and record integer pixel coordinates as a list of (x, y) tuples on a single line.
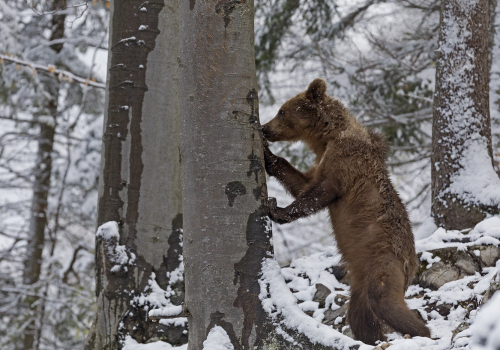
[(140, 172), (461, 107), (224, 185)]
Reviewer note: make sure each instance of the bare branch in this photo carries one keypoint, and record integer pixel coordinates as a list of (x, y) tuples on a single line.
[(86, 40), (62, 74)]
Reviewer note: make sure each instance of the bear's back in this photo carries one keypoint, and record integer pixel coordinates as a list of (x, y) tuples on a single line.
[(370, 216)]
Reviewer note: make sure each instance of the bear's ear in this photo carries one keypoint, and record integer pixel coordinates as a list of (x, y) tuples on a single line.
[(316, 90)]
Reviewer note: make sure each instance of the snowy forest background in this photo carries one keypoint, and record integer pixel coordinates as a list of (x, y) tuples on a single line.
[(378, 57)]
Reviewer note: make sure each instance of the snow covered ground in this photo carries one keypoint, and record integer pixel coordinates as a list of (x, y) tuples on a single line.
[(455, 312)]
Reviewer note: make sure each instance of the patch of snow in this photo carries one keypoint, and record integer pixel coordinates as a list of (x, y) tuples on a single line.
[(427, 256), (132, 38), (177, 321), (489, 226), (108, 230), (417, 343), (476, 181), (427, 228), (217, 339), (285, 335), (281, 302), (156, 301), (156, 297), (117, 254), (47, 119), (455, 291), (486, 327), (314, 266), (132, 344), (160, 298), (413, 290), (177, 274), (167, 311), (309, 305), (487, 232)]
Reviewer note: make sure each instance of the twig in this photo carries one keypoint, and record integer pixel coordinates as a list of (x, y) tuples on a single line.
[(62, 74), (86, 40), (58, 11)]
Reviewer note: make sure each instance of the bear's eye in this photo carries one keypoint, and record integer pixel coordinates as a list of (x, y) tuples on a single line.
[(281, 113)]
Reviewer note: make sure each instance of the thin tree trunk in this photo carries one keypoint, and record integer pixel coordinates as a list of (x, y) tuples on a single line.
[(140, 172), (461, 127), (38, 222), (41, 186)]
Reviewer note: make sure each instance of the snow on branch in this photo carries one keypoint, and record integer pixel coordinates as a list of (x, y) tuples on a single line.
[(175, 310), (61, 74)]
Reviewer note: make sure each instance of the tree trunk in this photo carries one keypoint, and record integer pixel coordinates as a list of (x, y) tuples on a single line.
[(461, 127), (38, 221), (494, 52), (225, 223), (226, 228), (41, 186), (140, 173), (491, 33)]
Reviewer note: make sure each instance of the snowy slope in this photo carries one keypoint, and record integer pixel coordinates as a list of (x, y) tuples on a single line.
[(295, 297)]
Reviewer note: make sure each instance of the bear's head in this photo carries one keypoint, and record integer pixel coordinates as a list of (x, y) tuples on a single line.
[(298, 116)]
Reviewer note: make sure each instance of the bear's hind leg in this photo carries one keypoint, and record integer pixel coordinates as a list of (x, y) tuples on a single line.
[(364, 323), (386, 299)]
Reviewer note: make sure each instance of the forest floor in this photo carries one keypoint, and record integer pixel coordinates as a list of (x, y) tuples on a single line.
[(453, 293)]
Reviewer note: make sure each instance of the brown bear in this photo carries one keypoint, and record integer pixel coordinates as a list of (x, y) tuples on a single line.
[(370, 222)]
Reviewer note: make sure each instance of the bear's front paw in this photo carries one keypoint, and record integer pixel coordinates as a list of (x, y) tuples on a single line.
[(278, 215), (272, 203)]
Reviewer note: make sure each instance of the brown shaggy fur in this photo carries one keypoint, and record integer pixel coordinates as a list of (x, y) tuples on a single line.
[(370, 222)]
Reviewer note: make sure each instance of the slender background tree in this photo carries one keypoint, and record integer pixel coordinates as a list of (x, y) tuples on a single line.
[(47, 133)]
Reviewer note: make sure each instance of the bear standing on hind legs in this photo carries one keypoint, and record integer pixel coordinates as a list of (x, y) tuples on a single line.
[(370, 222)]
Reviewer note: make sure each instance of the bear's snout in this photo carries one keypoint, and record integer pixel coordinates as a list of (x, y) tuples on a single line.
[(268, 134)]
